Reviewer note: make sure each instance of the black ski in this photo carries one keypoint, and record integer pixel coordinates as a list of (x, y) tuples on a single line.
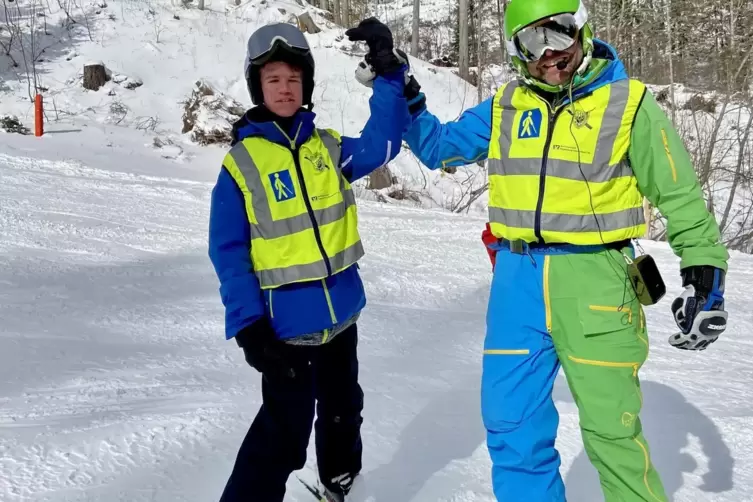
[(314, 490)]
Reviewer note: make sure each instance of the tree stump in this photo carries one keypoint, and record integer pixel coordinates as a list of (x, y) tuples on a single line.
[(95, 76), (380, 178), (307, 24)]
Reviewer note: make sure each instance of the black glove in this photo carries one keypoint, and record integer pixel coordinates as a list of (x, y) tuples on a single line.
[(699, 310), (378, 37), (263, 351), (414, 96)]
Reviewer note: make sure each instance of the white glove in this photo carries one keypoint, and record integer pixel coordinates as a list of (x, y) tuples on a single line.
[(365, 73)]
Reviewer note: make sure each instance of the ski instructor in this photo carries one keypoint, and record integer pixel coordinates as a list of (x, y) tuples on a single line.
[(284, 241), (573, 145)]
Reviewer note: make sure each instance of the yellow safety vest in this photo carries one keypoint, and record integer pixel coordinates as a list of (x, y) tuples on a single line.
[(564, 176), (301, 209)]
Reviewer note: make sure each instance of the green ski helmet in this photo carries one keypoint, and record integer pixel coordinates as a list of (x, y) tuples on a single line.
[(571, 20)]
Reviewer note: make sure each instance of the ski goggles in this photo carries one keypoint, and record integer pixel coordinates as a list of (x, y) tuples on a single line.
[(263, 42), (556, 33)]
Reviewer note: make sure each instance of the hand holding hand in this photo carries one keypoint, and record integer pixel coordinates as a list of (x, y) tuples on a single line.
[(381, 56)]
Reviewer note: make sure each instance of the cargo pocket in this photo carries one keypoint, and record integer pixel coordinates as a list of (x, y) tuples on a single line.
[(611, 337), (505, 387), (602, 319)]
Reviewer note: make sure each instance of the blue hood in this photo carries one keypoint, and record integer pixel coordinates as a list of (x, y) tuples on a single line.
[(612, 72), (258, 122)]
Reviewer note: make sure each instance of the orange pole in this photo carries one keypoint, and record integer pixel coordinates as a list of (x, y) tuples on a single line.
[(38, 116)]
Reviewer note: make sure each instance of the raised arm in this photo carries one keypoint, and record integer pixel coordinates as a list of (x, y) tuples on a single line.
[(456, 143), (381, 137)]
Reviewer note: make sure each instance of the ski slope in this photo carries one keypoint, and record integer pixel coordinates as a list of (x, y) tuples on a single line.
[(116, 383)]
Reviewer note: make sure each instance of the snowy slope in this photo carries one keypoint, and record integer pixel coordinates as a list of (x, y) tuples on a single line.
[(168, 47), (116, 383)]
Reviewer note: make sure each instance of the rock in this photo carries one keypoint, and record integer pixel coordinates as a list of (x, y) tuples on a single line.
[(11, 123), (380, 178), (209, 114), (126, 81)]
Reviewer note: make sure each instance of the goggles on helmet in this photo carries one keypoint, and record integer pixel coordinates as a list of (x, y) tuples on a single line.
[(557, 33), (265, 39)]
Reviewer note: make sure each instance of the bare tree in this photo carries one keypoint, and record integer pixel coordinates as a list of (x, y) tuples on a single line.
[(463, 56), (345, 14), (668, 22), (414, 30)]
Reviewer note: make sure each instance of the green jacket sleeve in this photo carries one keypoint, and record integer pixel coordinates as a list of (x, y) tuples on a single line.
[(666, 177)]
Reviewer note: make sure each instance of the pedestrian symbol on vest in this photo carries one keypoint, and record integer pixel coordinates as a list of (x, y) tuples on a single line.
[(530, 124), (282, 185)]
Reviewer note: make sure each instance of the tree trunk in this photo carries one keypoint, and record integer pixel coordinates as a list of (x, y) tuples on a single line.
[(95, 76), (668, 22), (501, 27), (609, 22), (463, 36), (201, 5), (414, 31), (479, 57), (345, 12)]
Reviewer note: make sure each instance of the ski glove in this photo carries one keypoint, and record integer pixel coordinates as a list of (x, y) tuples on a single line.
[(263, 351), (381, 56), (365, 74), (699, 310)]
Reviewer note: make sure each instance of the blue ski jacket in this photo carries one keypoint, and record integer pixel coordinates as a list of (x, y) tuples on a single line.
[(298, 308)]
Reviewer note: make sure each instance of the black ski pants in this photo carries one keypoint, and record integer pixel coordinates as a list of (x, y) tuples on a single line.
[(275, 445)]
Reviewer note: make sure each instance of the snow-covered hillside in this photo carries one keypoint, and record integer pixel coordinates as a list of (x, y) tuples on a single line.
[(116, 383), (169, 47)]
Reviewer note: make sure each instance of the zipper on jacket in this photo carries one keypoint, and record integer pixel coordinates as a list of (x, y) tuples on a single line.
[(547, 300), (271, 310), (305, 194), (331, 307), (542, 174)]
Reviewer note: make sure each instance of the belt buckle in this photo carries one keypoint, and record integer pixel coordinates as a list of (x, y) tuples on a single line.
[(516, 246)]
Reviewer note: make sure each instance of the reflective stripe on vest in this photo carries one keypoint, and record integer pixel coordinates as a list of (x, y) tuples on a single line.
[(335, 224), (586, 169)]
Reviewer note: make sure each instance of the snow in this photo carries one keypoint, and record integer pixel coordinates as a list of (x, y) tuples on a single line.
[(167, 48), (116, 382)]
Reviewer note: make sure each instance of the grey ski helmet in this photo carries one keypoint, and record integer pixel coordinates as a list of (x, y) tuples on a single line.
[(278, 42)]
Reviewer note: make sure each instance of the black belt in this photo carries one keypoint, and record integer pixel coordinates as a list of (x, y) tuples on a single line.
[(518, 246)]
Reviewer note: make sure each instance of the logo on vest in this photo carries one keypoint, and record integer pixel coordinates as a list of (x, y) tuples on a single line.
[(318, 162), (530, 124), (580, 118), (282, 185)]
